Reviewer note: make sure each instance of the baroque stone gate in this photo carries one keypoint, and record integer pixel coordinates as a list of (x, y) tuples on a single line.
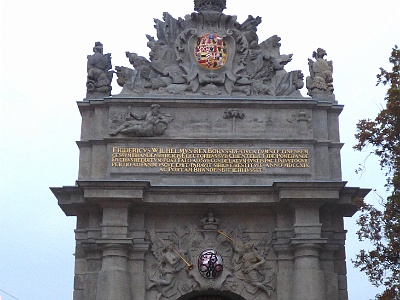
[(209, 177)]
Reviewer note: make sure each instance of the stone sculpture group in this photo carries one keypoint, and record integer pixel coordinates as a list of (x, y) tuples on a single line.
[(209, 53)]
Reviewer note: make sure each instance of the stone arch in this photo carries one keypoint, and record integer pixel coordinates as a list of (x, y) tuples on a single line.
[(211, 295)]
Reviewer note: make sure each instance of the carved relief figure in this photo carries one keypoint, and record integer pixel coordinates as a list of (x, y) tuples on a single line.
[(152, 123), (249, 259), (253, 271), (162, 274), (99, 74), (320, 81)]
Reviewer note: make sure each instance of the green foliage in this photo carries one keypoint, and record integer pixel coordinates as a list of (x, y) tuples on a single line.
[(382, 227)]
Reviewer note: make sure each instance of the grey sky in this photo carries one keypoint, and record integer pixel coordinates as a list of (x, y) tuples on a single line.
[(44, 45)]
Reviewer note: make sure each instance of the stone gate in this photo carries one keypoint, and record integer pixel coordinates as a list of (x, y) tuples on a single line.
[(209, 176)]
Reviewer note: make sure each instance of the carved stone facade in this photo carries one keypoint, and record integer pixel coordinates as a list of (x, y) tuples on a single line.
[(209, 177)]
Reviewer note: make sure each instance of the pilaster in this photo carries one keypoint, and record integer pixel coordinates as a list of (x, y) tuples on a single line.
[(93, 263), (114, 277), (283, 252), (137, 255), (308, 277), (107, 241)]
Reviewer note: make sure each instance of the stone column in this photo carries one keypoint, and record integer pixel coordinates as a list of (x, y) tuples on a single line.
[(308, 278), (114, 278)]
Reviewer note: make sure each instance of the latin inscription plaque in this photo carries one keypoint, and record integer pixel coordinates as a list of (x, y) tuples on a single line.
[(208, 160)]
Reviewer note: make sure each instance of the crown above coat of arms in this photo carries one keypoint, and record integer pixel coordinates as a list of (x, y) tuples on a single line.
[(209, 5)]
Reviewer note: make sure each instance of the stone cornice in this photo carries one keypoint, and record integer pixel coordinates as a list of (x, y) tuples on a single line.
[(88, 194), (166, 101)]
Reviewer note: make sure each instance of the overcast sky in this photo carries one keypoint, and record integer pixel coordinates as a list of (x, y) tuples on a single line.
[(44, 45)]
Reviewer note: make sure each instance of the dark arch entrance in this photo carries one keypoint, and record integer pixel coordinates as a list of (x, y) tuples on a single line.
[(211, 295)]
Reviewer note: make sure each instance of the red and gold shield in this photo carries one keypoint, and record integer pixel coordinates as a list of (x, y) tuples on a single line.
[(211, 51)]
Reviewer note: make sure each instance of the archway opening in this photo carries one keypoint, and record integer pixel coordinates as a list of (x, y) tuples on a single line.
[(211, 295)]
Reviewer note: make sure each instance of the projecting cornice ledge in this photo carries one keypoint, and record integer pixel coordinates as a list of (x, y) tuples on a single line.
[(113, 190), (308, 191), (70, 199), (323, 193), (74, 199), (97, 193)]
